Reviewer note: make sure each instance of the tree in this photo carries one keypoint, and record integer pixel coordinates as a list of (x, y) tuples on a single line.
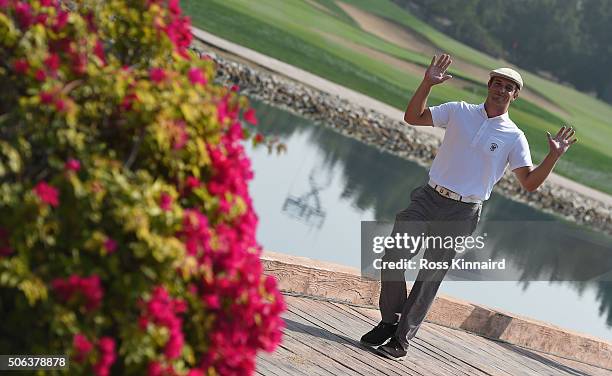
[(127, 235)]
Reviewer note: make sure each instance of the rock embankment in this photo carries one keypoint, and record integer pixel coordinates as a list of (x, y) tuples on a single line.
[(394, 136)]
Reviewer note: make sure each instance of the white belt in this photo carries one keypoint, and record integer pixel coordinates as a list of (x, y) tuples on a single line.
[(445, 192)]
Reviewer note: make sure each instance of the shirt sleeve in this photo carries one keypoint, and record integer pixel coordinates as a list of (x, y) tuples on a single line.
[(442, 114), (520, 156)]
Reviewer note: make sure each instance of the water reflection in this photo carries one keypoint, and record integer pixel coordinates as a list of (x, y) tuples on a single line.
[(377, 185), (307, 207)]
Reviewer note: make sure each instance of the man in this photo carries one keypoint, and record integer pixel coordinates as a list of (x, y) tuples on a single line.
[(480, 141)]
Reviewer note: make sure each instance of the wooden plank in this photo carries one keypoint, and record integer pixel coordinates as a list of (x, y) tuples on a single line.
[(363, 354), (470, 355), (554, 365), (336, 348), (288, 362), (324, 343), (580, 367), (321, 338), (269, 369), (317, 352), (423, 365), (481, 345), (466, 352), (481, 353), (503, 357), (330, 309), (433, 351), (469, 368), (469, 352)]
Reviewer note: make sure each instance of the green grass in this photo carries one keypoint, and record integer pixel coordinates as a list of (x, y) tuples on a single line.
[(337, 11), (295, 32), (312, 53)]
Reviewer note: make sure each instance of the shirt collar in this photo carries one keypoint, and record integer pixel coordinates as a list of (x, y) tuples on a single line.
[(502, 117)]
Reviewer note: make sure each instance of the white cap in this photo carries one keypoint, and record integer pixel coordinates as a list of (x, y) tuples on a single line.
[(508, 73)]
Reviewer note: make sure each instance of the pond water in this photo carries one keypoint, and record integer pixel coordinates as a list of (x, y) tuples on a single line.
[(311, 201)]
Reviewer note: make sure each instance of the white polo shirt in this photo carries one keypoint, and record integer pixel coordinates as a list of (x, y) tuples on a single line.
[(476, 149)]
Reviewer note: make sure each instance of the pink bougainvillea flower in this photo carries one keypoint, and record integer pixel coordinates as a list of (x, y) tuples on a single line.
[(259, 138), (21, 66), (99, 51), (196, 76), (178, 30), (60, 21), (106, 349), (161, 310), (155, 369), (87, 288), (235, 88), (46, 97), (270, 283), (192, 182), (224, 206), (195, 372), (196, 233), (157, 75), (40, 75), (143, 322), (249, 116), (165, 202), (91, 289), (79, 63), (174, 7), (128, 101), (180, 306), (211, 301), (82, 347), (72, 165), (110, 245), (47, 193), (222, 111), (91, 24), (23, 11), (174, 346), (178, 135), (60, 105), (180, 140), (52, 62), (41, 18)]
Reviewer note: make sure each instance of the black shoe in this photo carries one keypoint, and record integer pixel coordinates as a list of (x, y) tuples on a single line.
[(379, 335), (392, 350)]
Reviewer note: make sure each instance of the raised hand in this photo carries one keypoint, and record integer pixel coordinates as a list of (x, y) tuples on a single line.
[(562, 141), (436, 72)]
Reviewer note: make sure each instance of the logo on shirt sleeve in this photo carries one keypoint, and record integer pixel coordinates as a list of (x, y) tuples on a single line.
[(493, 146)]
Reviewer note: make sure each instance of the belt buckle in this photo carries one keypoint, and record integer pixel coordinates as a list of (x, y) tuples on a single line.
[(447, 193)]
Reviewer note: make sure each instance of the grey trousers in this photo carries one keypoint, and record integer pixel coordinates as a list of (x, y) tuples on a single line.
[(431, 214)]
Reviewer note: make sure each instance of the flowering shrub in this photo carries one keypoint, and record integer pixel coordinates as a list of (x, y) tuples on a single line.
[(127, 234)]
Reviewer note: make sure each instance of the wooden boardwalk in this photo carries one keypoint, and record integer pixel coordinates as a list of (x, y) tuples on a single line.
[(322, 338)]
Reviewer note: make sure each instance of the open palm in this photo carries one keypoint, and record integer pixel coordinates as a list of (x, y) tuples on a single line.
[(436, 72), (562, 141)]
